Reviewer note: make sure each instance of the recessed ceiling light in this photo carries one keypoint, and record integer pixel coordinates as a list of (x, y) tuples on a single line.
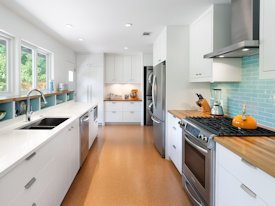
[(128, 24), (80, 39), (69, 26), (245, 49), (221, 56), (126, 48)]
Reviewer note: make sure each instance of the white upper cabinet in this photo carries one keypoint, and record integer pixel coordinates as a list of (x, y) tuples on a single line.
[(267, 43), (160, 48), (209, 32), (123, 68)]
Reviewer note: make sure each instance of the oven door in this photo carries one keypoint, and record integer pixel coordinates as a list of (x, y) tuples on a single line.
[(198, 170)]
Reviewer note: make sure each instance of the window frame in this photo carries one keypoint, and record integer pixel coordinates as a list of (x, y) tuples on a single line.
[(35, 51), (10, 58)]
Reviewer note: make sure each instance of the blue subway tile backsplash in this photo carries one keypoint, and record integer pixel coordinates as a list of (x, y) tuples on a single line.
[(256, 93)]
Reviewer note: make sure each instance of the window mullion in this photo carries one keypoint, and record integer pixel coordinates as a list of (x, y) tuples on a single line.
[(34, 69)]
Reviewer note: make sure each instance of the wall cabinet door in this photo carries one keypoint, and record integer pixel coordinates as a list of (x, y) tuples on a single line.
[(127, 73), (267, 43), (160, 48), (136, 69), (110, 68)]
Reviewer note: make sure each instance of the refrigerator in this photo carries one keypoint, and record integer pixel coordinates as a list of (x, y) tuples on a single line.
[(148, 74), (158, 106)]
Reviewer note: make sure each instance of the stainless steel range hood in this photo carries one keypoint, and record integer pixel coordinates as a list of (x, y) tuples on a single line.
[(245, 17)]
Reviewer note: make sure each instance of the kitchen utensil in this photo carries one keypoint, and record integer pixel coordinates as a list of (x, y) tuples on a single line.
[(244, 121), (203, 103), (217, 109), (2, 115)]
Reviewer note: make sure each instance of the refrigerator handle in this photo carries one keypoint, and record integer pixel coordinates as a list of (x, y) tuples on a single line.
[(156, 121), (150, 78), (153, 91), (150, 108)]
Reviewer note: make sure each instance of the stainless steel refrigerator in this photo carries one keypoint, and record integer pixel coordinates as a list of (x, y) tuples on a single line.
[(148, 74), (158, 106)]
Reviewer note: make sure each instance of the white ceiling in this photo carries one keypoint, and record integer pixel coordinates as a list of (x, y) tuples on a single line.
[(101, 22)]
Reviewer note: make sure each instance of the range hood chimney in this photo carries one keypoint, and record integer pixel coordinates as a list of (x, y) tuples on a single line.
[(245, 17)]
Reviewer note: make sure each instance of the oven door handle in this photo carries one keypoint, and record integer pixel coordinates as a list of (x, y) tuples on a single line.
[(198, 203), (204, 151)]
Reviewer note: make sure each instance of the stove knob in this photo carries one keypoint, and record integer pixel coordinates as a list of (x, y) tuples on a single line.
[(201, 136), (205, 139)]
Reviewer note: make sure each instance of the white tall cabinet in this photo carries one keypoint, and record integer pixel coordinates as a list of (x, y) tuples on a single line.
[(267, 43), (90, 80), (209, 32)]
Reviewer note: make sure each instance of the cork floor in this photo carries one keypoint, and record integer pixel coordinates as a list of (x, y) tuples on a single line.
[(123, 168)]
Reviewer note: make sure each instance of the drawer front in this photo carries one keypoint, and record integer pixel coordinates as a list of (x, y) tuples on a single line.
[(14, 182), (132, 106), (230, 191), (113, 116), (257, 180), (113, 106), (131, 116), (177, 147)]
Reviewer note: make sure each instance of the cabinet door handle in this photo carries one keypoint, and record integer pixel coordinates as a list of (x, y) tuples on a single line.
[(113, 112), (248, 191), (72, 127), (174, 146), (132, 112), (31, 156), (30, 183), (174, 128), (34, 204)]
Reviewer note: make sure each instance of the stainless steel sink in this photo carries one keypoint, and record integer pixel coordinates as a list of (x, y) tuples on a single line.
[(45, 123)]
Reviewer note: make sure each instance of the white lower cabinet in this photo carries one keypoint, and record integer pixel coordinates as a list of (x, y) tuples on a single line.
[(239, 183), (45, 176), (122, 111), (175, 141)]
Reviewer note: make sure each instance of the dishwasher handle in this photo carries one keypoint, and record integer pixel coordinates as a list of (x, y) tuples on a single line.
[(84, 118)]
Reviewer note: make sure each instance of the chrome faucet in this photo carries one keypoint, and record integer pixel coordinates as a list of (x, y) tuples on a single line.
[(29, 112)]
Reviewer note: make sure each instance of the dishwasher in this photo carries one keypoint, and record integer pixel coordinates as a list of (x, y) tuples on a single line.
[(84, 137)]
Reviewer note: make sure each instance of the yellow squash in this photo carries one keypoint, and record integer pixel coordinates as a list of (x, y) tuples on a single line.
[(248, 123)]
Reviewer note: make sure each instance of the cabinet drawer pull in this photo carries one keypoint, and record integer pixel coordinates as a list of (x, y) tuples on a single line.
[(132, 102), (174, 128), (248, 191), (30, 183), (34, 204), (248, 164), (132, 112), (113, 102), (174, 146), (113, 112), (31, 156)]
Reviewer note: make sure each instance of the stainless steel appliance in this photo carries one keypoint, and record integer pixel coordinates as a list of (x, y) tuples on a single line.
[(198, 156), (93, 125), (245, 18), (217, 109), (148, 74), (84, 136), (158, 105)]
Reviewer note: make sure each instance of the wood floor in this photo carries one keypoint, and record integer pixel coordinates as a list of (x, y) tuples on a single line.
[(123, 168)]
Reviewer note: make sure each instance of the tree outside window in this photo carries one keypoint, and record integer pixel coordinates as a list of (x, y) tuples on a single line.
[(26, 68), (41, 71), (3, 65)]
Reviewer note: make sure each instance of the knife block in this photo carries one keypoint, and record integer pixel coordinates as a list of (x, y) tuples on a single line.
[(204, 105)]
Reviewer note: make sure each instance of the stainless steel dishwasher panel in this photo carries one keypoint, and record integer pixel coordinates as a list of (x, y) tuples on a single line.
[(84, 137)]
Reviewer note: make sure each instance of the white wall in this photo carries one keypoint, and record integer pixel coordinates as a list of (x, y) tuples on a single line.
[(122, 89), (21, 29), (147, 59), (90, 80), (180, 93)]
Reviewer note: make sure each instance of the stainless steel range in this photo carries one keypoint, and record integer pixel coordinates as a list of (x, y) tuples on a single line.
[(198, 154)]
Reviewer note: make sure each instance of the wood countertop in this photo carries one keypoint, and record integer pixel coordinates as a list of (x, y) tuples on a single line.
[(259, 151), (123, 100), (188, 113)]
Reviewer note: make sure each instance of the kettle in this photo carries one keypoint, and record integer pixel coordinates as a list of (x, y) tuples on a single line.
[(244, 121)]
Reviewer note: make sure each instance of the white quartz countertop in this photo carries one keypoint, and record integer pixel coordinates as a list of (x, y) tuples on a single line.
[(16, 144)]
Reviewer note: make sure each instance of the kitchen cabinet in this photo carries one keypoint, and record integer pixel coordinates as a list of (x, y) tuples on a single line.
[(175, 141), (160, 48), (209, 32), (45, 176), (123, 68), (123, 111), (240, 183), (267, 43)]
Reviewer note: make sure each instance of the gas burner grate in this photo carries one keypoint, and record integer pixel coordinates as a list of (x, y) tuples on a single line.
[(222, 126)]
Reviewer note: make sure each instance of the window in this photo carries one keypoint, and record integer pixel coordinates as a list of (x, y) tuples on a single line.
[(34, 68), (4, 63)]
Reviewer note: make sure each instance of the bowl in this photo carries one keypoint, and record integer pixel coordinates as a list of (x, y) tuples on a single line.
[(2, 115)]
